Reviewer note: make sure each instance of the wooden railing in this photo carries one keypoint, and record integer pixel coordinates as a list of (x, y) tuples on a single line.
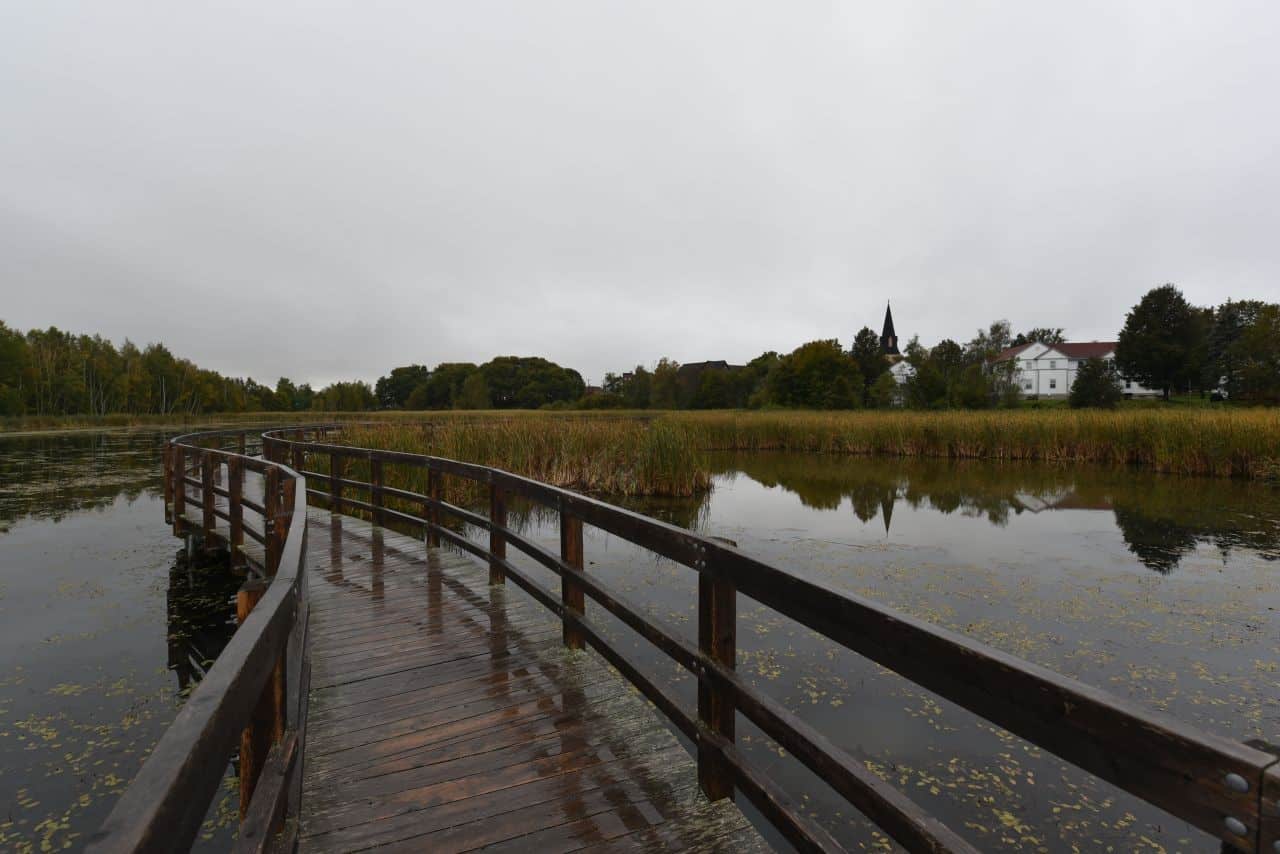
[(254, 696), (1227, 789)]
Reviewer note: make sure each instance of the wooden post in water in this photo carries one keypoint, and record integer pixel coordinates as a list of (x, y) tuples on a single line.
[(570, 593), (178, 471), (267, 723), (167, 457), (271, 518), (433, 511), (717, 637), (497, 542), (375, 491), (235, 488), (207, 498)]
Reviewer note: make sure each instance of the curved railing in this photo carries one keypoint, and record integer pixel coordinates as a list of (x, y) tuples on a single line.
[(254, 696), (1227, 789)]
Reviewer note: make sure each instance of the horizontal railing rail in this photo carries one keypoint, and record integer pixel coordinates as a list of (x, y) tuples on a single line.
[(1213, 783), (254, 696)]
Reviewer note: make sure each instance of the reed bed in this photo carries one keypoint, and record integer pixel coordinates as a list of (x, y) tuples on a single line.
[(648, 454), (622, 457)]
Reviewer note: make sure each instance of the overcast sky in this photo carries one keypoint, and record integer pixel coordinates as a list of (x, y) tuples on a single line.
[(327, 190)]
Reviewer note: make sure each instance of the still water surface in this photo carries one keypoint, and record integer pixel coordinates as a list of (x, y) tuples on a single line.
[(103, 631), (1160, 589)]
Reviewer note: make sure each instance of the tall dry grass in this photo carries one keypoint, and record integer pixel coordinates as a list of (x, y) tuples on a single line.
[(626, 457), (647, 454)]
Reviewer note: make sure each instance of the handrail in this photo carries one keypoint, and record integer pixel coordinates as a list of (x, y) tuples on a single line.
[(256, 690), (1209, 781)]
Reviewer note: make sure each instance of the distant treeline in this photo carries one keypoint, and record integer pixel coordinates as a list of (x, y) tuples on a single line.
[(1165, 343), (49, 372)]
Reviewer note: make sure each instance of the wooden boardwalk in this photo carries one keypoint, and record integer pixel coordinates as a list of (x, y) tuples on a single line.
[(384, 695), (444, 717)]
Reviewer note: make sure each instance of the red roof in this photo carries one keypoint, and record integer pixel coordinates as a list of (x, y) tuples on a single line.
[(1086, 349), (1077, 350), (1009, 352)]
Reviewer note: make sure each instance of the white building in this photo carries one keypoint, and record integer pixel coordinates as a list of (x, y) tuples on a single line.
[(902, 370), (1048, 370)]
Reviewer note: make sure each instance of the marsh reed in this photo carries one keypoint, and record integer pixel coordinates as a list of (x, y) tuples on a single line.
[(665, 454)]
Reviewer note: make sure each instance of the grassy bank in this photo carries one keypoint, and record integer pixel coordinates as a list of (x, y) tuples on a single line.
[(623, 454), (650, 453), (1225, 443)]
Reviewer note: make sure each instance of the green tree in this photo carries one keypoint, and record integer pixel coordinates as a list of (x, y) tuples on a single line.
[(817, 375), (442, 387), (529, 382), (1159, 341), (866, 352), (1096, 385), (13, 363), (1258, 355), (475, 393), (1040, 335), (884, 392), (394, 389), (665, 387), (971, 388), (1222, 358), (989, 343), (345, 397)]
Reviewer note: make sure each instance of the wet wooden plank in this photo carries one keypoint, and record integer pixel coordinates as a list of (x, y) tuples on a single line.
[(447, 715)]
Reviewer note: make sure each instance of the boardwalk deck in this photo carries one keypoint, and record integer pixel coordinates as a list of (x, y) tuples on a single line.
[(445, 717)]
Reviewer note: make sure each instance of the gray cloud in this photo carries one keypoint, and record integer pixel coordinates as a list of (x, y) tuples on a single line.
[(605, 183)]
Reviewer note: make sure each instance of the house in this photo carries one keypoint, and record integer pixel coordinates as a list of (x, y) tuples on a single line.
[(1048, 370)]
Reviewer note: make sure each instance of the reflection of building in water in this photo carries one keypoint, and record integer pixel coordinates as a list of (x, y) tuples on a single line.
[(201, 611), (1062, 499)]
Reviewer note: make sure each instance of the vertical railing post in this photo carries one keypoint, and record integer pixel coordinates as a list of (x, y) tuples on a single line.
[(284, 517), (433, 511), (270, 714), (717, 638), (497, 541), (375, 490), (178, 471), (271, 518), (336, 465), (235, 509), (570, 593), (240, 440), (207, 498)]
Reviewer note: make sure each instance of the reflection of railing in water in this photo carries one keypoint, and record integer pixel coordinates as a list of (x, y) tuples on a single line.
[(1227, 789), (201, 616)]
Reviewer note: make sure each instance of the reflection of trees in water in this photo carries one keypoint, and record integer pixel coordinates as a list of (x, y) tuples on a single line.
[(1162, 518), (53, 476), (1165, 519)]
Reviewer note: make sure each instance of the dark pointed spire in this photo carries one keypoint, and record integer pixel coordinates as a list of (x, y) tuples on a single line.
[(888, 337)]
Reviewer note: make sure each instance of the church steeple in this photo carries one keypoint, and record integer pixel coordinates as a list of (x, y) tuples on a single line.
[(888, 337)]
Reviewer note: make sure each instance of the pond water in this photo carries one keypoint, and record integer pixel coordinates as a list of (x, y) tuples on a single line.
[(1159, 589), (103, 631)]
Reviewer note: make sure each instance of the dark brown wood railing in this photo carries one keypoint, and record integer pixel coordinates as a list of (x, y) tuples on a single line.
[(1227, 789), (254, 697)]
